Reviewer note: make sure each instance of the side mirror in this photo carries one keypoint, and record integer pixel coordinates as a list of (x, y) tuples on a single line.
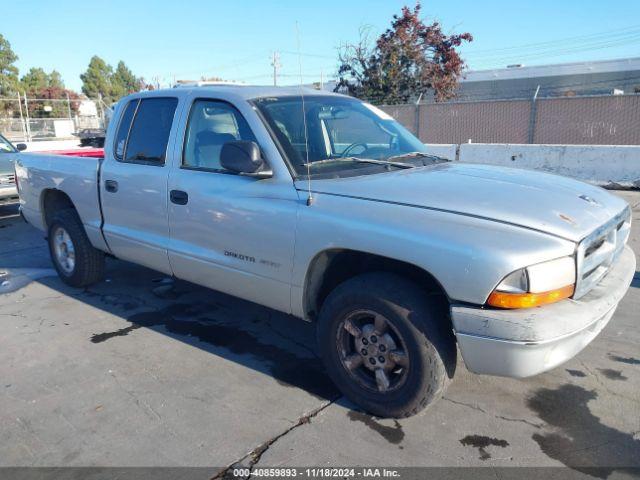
[(21, 146), (244, 158)]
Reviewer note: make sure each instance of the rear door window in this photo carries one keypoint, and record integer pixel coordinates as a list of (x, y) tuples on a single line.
[(149, 134)]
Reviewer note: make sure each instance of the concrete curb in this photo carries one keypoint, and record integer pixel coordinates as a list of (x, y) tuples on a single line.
[(610, 166)]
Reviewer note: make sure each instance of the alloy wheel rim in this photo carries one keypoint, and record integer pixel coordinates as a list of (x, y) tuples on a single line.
[(64, 250), (372, 351)]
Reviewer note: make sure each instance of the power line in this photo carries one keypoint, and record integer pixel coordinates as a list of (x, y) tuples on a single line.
[(582, 41), (238, 63), (499, 62), (596, 45), (484, 58), (564, 41), (313, 55), (275, 63)]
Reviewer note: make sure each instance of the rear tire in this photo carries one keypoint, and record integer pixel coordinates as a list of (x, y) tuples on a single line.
[(77, 262), (366, 318)]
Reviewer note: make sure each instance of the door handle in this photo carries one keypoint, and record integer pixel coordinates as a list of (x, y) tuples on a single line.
[(111, 186), (179, 197)]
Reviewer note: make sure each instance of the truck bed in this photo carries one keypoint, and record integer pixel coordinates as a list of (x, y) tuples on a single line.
[(77, 176)]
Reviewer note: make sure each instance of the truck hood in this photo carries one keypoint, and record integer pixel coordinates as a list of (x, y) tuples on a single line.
[(549, 203)]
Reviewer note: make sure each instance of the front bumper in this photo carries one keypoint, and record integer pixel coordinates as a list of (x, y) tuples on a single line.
[(526, 342), (8, 195)]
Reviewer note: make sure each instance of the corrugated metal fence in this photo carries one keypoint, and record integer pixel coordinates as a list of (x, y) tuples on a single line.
[(597, 120)]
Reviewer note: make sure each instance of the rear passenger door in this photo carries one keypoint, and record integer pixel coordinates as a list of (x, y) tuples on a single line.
[(133, 184)]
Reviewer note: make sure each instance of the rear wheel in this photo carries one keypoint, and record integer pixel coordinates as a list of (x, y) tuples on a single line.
[(77, 262), (386, 344)]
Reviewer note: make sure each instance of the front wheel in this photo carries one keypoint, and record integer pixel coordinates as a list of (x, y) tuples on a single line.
[(77, 262), (386, 344)]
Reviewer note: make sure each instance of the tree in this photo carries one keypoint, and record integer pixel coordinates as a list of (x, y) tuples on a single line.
[(57, 109), (96, 81), (55, 79), (101, 80), (41, 86), (124, 81), (35, 79), (8, 71), (409, 59)]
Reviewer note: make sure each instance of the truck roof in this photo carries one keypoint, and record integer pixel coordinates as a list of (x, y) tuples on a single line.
[(246, 92)]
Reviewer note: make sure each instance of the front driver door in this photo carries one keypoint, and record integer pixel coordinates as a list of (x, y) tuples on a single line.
[(229, 232)]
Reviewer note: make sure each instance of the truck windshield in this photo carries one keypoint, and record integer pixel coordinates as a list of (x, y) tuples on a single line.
[(5, 146), (344, 137)]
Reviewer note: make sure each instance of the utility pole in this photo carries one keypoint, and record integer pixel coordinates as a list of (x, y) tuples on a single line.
[(275, 63)]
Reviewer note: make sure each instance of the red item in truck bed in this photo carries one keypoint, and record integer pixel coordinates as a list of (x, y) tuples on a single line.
[(85, 152)]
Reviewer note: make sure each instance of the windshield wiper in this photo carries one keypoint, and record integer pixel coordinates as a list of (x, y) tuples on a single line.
[(435, 158), (360, 160)]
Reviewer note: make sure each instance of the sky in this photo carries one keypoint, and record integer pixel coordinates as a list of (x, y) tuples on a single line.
[(166, 39)]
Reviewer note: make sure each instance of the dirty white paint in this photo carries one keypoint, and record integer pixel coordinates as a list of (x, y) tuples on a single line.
[(613, 166)]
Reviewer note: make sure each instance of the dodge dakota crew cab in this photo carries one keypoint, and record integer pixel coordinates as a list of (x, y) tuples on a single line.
[(324, 207)]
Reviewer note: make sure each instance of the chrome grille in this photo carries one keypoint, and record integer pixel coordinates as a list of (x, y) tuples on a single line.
[(7, 180), (599, 250)]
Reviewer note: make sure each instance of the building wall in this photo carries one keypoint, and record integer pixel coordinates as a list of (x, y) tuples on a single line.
[(578, 78), (551, 86)]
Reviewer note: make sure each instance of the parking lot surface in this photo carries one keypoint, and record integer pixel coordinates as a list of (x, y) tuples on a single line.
[(143, 371)]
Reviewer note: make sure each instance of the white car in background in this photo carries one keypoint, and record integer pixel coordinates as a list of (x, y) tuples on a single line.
[(8, 154)]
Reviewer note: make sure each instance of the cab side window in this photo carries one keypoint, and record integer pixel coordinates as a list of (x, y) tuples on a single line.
[(123, 128), (143, 133), (149, 135), (212, 124)]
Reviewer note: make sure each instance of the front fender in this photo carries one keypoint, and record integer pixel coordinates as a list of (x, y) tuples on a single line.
[(468, 256)]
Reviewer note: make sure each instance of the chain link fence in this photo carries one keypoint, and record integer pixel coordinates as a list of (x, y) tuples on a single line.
[(595, 120), (31, 119)]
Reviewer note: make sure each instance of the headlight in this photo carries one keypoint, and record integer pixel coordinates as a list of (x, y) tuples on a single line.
[(536, 285)]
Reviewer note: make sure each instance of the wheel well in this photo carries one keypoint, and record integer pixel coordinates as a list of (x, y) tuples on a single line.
[(332, 267), (53, 201)]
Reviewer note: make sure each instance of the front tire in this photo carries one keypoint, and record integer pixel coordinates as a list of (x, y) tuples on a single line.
[(77, 262), (386, 344)]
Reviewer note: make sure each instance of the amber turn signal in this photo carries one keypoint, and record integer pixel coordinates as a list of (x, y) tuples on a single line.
[(528, 300)]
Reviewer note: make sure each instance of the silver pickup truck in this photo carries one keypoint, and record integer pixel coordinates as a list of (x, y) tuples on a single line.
[(324, 207)]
